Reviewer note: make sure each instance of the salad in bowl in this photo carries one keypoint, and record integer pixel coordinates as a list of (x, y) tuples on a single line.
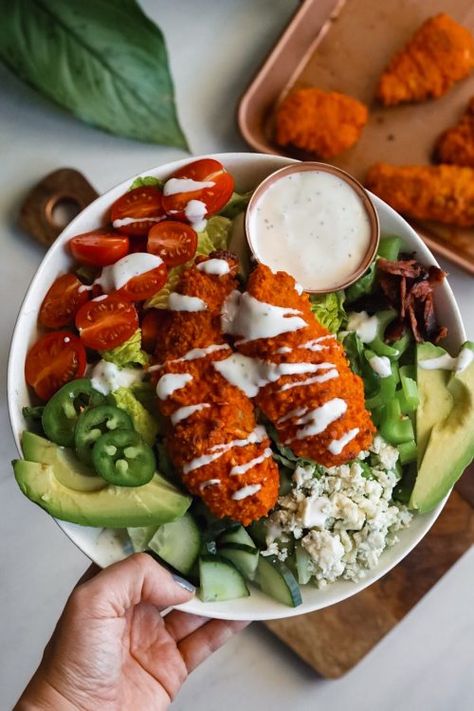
[(280, 448)]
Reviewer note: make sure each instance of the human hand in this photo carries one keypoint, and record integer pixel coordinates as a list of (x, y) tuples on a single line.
[(112, 649)]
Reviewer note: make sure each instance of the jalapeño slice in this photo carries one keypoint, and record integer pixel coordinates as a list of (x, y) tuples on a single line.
[(95, 422), (62, 411), (123, 458)]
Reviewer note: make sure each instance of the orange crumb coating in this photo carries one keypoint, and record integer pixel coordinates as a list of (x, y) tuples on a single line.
[(229, 417), (456, 144), (279, 290), (325, 123), (444, 193), (440, 53)]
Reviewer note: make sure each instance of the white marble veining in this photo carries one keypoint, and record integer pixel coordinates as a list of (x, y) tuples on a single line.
[(426, 662)]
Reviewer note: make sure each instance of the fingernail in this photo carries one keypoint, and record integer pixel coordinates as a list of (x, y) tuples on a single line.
[(182, 582)]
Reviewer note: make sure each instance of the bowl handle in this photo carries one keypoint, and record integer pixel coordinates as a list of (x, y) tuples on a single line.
[(65, 186)]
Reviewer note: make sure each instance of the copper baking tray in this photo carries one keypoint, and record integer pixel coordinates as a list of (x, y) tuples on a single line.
[(344, 45)]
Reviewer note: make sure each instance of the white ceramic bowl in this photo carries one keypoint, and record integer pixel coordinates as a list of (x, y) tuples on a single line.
[(248, 170)]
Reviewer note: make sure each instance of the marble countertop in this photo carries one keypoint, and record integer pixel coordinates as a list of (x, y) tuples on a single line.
[(426, 662)]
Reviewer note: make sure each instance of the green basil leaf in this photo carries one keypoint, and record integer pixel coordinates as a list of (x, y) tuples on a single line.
[(103, 60)]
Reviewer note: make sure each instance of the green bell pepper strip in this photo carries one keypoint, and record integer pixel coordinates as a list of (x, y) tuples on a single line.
[(394, 427), (389, 248), (62, 411), (123, 458), (95, 422), (385, 388), (410, 397), (408, 452)]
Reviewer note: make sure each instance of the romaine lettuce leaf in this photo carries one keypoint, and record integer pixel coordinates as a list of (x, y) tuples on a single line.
[(146, 181), (329, 309), (128, 353), (237, 204), (145, 424)]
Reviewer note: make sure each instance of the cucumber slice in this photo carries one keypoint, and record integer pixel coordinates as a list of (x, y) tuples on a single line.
[(237, 535), (303, 565), (220, 580), (245, 558), (178, 543), (278, 581), (141, 536)]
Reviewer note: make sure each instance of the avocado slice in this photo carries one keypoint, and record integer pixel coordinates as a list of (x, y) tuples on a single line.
[(67, 468), (436, 400), (450, 447), (112, 507)]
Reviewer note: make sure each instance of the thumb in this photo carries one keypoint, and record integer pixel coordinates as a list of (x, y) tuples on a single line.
[(138, 578)]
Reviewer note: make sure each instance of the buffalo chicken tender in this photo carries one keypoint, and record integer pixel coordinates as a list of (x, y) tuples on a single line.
[(325, 123), (305, 385), (456, 144), (440, 53), (214, 442), (444, 193)]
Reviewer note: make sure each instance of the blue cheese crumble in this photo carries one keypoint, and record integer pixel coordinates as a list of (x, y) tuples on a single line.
[(343, 517)]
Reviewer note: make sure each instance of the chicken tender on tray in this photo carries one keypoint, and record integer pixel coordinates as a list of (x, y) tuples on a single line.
[(440, 53), (456, 144), (297, 371), (444, 193), (214, 442), (325, 123)]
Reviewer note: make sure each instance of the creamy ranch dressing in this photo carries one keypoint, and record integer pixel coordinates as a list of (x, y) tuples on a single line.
[(251, 374), (319, 419), (195, 212), (363, 325), (252, 319), (337, 445), (240, 469), (323, 378), (381, 365), (447, 362), (246, 491), (182, 302), (313, 225), (185, 185), (214, 267), (124, 221), (258, 435), (117, 275), (182, 413), (171, 382), (107, 377)]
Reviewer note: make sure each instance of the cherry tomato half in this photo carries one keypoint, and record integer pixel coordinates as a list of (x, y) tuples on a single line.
[(174, 242), (53, 361), (99, 248), (135, 212), (153, 323), (106, 323), (144, 285), (215, 196), (62, 301)]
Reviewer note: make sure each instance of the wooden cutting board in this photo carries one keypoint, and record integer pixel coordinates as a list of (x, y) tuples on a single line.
[(335, 639)]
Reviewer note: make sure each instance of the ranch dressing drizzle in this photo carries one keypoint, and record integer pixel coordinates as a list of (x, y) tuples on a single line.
[(214, 267), (256, 319), (381, 365), (182, 302), (320, 211), (193, 354), (124, 221), (182, 413), (117, 275), (251, 374), (365, 326), (447, 362), (258, 435), (316, 344), (297, 412), (324, 377), (319, 419), (337, 445), (195, 212), (185, 185), (171, 382), (242, 468), (246, 491), (209, 482)]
